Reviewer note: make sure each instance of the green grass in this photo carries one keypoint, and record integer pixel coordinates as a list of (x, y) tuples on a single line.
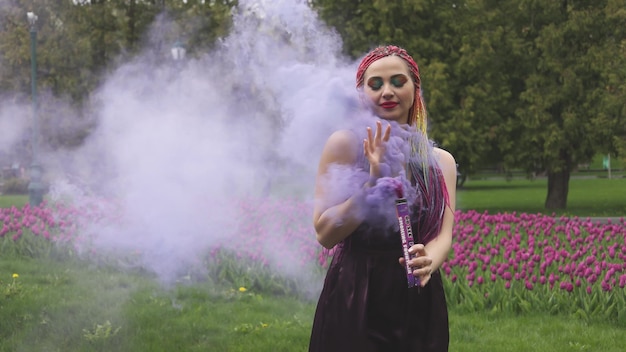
[(205, 318), (480, 331), (587, 196), (6, 201), (72, 305), (76, 306)]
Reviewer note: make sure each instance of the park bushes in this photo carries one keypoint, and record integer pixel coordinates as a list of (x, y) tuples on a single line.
[(14, 186)]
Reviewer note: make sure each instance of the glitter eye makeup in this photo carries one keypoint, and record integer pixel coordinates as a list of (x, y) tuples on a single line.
[(399, 81), (375, 83)]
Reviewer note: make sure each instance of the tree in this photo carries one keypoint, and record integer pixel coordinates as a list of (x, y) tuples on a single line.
[(481, 90), (569, 106), (429, 30), (535, 84), (80, 42)]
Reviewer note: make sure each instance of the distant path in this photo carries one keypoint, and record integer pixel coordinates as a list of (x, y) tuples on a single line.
[(597, 219), (604, 220)]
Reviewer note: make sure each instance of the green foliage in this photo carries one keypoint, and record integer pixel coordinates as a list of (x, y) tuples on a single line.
[(200, 24), (25, 244), (573, 51), (597, 164), (12, 288), (101, 332), (536, 85), (225, 267), (532, 85), (77, 45), (14, 186)]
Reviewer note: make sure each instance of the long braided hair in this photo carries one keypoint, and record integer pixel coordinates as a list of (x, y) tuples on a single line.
[(430, 206)]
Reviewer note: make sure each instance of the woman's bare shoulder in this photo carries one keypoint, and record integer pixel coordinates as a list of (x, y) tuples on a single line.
[(446, 159), (343, 137), (341, 146)]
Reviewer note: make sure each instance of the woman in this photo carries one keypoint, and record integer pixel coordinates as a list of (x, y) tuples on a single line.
[(365, 304)]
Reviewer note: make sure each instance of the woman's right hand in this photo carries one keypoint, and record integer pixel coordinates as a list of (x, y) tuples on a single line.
[(374, 148)]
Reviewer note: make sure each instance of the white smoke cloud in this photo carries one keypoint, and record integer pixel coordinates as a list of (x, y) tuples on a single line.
[(14, 121), (178, 146)]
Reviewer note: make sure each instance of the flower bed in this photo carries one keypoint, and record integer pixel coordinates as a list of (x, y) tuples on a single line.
[(499, 262), (522, 262)]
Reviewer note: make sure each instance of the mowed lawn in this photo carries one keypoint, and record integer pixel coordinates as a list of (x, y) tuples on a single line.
[(588, 197), (63, 303)]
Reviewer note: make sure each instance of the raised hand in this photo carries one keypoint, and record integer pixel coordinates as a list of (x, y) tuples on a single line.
[(374, 148)]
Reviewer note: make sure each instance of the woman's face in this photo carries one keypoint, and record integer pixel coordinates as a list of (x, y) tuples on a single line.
[(388, 85)]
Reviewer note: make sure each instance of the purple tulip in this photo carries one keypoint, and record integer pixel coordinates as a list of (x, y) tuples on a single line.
[(529, 285)]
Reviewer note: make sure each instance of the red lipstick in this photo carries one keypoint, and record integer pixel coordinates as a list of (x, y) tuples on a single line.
[(389, 105)]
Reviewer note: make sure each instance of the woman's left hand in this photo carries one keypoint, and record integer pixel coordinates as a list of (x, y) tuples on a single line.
[(374, 148), (421, 264)]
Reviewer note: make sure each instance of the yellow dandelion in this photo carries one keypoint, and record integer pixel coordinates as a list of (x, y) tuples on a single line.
[(15, 275), (264, 325), (243, 289)]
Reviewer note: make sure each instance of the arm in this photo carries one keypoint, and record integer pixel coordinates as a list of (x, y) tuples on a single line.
[(335, 222), (431, 257)]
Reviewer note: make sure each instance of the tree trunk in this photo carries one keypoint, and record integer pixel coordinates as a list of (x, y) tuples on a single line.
[(132, 21), (558, 187)]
